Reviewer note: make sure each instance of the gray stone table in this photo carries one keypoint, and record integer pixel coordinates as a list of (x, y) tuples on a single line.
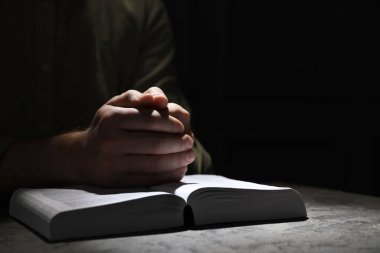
[(337, 222)]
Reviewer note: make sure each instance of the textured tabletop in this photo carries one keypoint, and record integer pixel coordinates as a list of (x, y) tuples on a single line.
[(337, 222)]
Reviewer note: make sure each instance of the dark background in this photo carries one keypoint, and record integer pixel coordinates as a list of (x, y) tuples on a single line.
[(284, 91)]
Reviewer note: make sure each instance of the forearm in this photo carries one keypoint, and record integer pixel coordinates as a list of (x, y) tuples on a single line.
[(41, 163)]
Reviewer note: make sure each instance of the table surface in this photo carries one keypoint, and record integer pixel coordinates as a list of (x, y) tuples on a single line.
[(337, 222)]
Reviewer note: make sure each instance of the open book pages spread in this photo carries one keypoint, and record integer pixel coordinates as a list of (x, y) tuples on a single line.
[(86, 211), (190, 184)]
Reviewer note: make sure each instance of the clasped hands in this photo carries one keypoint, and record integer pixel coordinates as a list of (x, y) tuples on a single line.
[(137, 139)]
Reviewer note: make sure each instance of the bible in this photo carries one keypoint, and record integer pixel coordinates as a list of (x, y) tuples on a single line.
[(85, 211)]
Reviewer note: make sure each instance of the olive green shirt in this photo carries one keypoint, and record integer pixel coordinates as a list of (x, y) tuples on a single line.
[(61, 60)]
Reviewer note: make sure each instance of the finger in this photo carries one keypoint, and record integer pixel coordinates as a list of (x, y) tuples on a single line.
[(149, 120), (155, 163), (133, 98), (150, 143), (159, 98), (144, 180), (181, 114)]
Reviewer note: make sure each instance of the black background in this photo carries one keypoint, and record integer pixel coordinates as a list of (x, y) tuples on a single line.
[(284, 91)]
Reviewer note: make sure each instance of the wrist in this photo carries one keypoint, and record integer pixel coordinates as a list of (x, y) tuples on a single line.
[(67, 158)]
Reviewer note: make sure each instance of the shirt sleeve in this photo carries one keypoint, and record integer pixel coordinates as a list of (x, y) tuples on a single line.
[(155, 67)]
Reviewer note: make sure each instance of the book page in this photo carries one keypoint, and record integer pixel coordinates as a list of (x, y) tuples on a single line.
[(191, 183), (78, 197), (216, 199), (84, 211)]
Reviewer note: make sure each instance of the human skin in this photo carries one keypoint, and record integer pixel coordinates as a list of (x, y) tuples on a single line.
[(135, 139)]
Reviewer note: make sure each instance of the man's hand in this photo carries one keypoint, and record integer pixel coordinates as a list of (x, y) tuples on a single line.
[(134, 141)]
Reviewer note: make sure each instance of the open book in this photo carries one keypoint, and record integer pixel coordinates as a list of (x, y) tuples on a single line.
[(84, 211)]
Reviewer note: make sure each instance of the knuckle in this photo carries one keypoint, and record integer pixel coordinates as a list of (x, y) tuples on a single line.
[(130, 94), (155, 89)]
